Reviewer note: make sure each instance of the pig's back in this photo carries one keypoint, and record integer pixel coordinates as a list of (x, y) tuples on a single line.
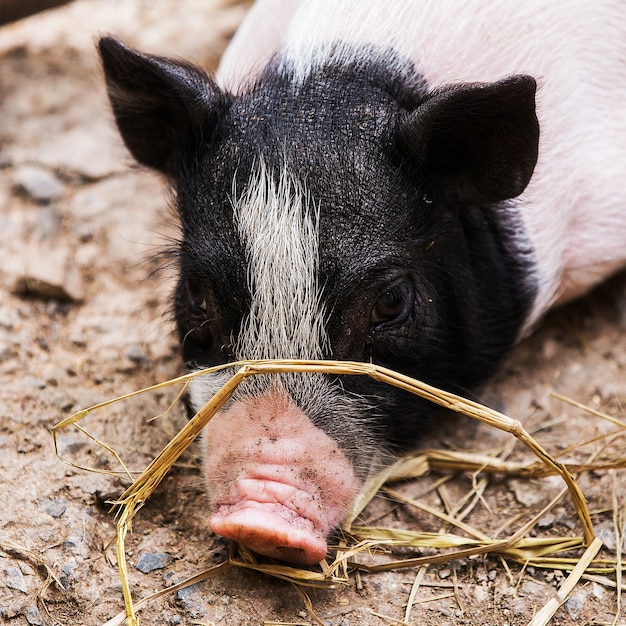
[(574, 209)]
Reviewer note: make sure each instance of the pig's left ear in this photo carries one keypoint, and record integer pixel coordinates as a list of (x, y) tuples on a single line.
[(476, 144), (162, 107)]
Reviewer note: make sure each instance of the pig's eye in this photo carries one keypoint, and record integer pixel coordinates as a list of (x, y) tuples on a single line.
[(394, 305)]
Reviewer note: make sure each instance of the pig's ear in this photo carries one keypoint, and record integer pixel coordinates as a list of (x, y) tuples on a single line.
[(476, 143), (161, 106)]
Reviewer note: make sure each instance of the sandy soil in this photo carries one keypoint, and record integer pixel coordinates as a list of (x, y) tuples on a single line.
[(84, 317)]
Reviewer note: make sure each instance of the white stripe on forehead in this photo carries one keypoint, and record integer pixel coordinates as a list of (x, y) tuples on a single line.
[(278, 226)]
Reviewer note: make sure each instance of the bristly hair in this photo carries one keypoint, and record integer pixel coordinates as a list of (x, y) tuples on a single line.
[(278, 225)]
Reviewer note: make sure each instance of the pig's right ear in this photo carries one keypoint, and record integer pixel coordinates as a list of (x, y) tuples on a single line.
[(476, 143), (162, 107)]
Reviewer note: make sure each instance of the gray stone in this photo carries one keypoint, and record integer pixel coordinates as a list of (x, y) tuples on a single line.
[(188, 599), (149, 561), (547, 521), (50, 273), (85, 155), (137, 354), (37, 183), (67, 573), (575, 603), (33, 616), (14, 579), (606, 531), (55, 507), (533, 494), (36, 383)]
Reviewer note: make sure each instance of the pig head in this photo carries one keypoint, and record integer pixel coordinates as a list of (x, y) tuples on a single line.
[(348, 214)]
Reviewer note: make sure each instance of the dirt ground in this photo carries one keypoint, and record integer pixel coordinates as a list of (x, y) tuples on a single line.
[(84, 318)]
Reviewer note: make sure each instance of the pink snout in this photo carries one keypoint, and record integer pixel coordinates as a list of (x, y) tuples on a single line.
[(277, 483)]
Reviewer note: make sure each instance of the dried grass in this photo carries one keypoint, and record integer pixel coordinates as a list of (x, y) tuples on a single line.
[(371, 548)]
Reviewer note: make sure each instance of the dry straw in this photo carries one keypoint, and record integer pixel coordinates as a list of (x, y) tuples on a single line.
[(359, 543)]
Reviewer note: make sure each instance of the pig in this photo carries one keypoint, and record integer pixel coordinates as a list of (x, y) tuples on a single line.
[(407, 183)]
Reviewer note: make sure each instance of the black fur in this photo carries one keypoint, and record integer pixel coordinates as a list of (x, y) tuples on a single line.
[(415, 191)]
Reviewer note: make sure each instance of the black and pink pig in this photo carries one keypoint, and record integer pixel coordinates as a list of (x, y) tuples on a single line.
[(410, 183)]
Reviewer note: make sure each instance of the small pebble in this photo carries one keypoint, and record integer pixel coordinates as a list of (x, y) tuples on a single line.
[(50, 273), (33, 616), (136, 354), (480, 594), (606, 531), (597, 590), (55, 507), (480, 574), (575, 603), (37, 383), (186, 598), (14, 579), (37, 183), (547, 521), (67, 573), (150, 561), (526, 492)]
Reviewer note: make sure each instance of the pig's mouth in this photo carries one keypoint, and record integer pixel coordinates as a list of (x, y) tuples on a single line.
[(277, 483), (275, 519)]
